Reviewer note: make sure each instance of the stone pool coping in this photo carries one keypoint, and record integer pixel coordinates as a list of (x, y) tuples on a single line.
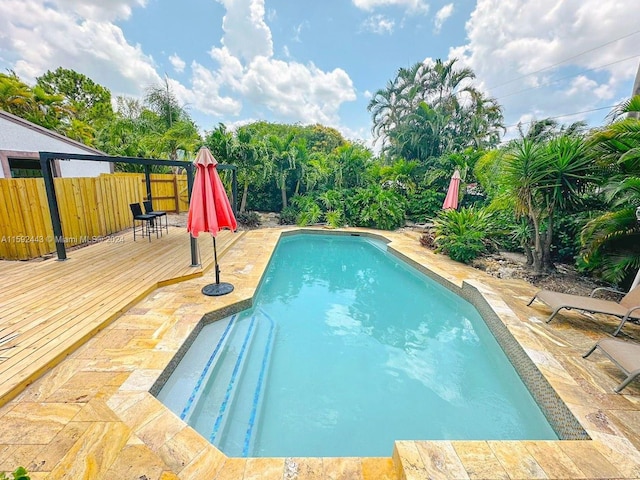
[(93, 415)]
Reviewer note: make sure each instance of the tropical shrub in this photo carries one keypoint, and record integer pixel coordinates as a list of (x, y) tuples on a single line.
[(507, 232), (464, 234), (611, 241), (308, 211), (288, 215), (264, 199), (424, 204), (376, 207), (611, 246), (335, 218), (566, 247), (19, 473), (309, 216), (545, 180), (248, 219)]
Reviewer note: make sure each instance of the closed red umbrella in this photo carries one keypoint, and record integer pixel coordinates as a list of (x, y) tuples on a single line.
[(451, 200), (210, 211)]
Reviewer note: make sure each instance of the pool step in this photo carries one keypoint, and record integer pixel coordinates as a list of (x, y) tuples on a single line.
[(234, 386), (209, 368)]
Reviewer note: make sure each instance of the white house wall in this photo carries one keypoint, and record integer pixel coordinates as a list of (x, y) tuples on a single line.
[(79, 168), (22, 139)]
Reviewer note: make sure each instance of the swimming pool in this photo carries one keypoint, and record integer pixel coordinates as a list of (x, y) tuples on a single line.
[(347, 349)]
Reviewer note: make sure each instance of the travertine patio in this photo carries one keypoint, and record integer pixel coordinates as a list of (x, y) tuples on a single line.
[(91, 416)]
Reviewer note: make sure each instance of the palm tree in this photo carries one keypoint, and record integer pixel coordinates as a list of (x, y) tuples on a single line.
[(161, 100), (282, 152), (16, 97), (543, 179), (252, 158), (611, 241), (429, 109)]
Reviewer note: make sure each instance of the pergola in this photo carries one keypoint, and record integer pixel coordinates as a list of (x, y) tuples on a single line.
[(47, 173)]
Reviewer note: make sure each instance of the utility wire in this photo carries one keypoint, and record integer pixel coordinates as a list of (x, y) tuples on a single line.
[(560, 116), (567, 76), (564, 61)]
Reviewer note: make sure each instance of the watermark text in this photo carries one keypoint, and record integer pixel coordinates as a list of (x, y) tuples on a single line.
[(60, 239)]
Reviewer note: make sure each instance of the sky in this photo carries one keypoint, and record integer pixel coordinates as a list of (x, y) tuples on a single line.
[(320, 61)]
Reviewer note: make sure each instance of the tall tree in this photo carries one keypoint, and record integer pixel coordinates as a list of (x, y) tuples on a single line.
[(282, 152), (252, 158), (161, 100), (90, 101), (33, 104), (430, 109), (175, 132), (16, 97)]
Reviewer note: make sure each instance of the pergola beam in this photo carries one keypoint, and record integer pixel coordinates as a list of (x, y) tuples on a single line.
[(47, 172)]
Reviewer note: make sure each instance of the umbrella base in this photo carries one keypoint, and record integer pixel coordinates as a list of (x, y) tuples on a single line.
[(217, 289)]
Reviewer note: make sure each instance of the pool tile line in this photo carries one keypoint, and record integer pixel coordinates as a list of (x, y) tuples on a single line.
[(261, 377), (196, 389), (232, 381), (563, 422)]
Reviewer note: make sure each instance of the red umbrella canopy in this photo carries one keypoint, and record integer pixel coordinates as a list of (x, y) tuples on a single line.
[(209, 208), (451, 200)]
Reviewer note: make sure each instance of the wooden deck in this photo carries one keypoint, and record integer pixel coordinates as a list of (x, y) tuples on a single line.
[(49, 308)]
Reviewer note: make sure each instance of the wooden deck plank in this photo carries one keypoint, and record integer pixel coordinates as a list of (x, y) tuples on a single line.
[(67, 301), (92, 278), (54, 307), (85, 305), (92, 269)]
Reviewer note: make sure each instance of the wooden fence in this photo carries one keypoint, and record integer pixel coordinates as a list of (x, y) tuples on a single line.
[(90, 208), (169, 192)]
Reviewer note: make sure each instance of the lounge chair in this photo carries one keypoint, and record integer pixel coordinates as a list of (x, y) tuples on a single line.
[(625, 355), (628, 309)]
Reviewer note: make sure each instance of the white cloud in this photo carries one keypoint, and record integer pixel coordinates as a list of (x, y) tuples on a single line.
[(177, 62), (246, 35), (297, 92), (415, 6), (204, 94), (510, 39), (42, 36), (100, 9), (288, 90), (378, 24), (441, 16)]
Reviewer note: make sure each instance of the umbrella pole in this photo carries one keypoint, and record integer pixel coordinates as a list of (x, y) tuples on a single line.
[(217, 289), (195, 257), (215, 261)]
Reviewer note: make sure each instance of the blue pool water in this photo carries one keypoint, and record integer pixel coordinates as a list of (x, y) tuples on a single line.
[(347, 349)]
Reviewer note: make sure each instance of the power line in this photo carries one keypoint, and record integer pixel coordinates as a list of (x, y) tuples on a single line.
[(564, 61), (567, 76), (561, 116)]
